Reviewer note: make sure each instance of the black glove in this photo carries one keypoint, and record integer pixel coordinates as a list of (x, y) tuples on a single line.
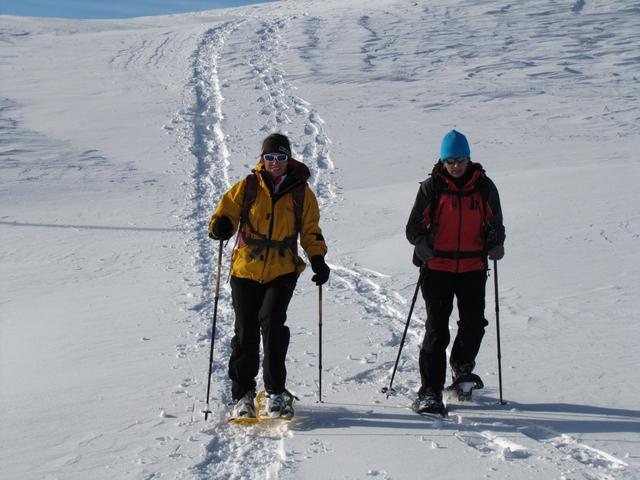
[(321, 270), (496, 253), (495, 237), (423, 251), (221, 229), (495, 243)]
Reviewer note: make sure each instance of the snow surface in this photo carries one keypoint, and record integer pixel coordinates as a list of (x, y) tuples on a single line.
[(118, 137)]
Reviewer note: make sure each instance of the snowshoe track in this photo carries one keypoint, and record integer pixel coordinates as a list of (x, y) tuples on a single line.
[(559, 452), (284, 111)]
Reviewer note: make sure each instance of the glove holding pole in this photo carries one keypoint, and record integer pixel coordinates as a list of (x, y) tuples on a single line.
[(320, 269), (221, 229), (495, 243), (423, 251)]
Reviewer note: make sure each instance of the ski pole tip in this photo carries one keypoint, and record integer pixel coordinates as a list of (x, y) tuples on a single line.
[(388, 391)]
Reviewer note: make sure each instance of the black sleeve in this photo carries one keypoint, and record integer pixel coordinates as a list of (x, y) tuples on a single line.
[(493, 199), (415, 229)]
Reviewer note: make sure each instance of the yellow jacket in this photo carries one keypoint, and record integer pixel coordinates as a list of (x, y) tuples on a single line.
[(272, 216)]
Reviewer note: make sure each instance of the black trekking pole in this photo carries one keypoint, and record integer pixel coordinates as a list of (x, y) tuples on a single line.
[(320, 344), (207, 412), (389, 390), (495, 282)]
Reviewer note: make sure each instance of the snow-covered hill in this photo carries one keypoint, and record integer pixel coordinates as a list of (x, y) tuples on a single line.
[(118, 137)]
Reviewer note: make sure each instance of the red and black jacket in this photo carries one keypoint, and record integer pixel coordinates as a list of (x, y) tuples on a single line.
[(454, 217)]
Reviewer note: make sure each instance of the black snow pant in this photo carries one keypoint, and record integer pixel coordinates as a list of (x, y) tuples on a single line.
[(260, 308), (438, 290)]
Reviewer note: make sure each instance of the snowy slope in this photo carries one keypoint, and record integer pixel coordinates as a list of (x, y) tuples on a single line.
[(118, 137)]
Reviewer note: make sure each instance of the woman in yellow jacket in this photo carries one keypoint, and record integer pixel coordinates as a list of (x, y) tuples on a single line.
[(270, 208)]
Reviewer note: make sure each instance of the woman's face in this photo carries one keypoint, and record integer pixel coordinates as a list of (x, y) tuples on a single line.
[(456, 167), (274, 163)]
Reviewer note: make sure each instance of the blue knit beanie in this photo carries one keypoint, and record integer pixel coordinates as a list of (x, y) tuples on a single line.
[(454, 144)]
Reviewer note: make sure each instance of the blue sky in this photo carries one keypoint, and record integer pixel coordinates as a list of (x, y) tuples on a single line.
[(112, 8)]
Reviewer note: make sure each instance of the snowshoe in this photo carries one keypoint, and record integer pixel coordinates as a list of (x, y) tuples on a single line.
[(430, 403), (464, 385), (244, 410), (274, 406)]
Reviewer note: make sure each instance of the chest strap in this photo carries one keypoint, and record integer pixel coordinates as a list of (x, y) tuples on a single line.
[(263, 242)]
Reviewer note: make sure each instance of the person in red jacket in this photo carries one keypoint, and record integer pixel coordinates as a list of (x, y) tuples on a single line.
[(455, 225)]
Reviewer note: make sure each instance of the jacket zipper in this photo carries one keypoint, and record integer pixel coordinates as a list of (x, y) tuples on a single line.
[(459, 233), (273, 214)]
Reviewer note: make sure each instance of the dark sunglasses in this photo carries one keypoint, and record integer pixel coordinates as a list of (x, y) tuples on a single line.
[(279, 157), (454, 160)]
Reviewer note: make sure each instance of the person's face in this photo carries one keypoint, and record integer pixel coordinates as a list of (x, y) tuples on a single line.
[(275, 163), (456, 166)]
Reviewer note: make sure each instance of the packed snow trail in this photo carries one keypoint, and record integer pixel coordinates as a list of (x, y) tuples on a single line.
[(281, 110), (232, 453)]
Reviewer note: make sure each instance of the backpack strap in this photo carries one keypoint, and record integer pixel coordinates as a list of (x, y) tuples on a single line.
[(250, 194), (298, 204)]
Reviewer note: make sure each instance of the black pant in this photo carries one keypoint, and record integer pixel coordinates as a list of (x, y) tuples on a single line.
[(438, 290), (260, 308)]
